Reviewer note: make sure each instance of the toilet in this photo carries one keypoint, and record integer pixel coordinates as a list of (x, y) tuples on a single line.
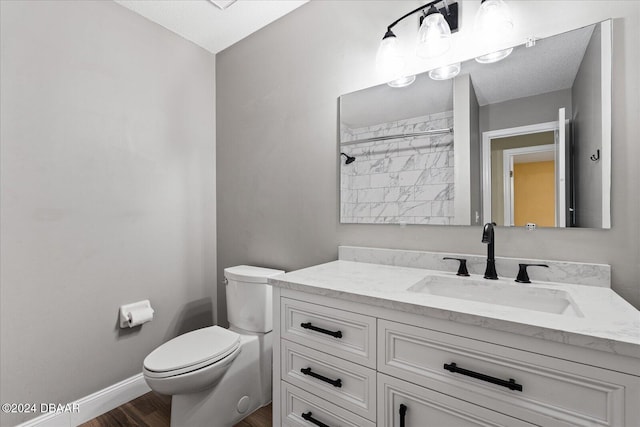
[(218, 376)]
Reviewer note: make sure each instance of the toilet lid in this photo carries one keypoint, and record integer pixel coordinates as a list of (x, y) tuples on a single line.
[(193, 348), (250, 274)]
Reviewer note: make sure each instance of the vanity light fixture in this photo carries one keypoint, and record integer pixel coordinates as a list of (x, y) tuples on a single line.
[(434, 38), (389, 60), (434, 35), (492, 23)]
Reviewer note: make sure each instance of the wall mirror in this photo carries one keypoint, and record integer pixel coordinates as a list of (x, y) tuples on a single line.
[(525, 141)]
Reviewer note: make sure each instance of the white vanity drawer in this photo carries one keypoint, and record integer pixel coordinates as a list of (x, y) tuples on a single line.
[(344, 334), (421, 407), (298, 404), (341, 382), (555, 392)]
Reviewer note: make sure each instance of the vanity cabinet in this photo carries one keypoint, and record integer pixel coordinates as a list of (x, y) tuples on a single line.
[(301, 408), (345, 334), (342, 363), (330, 354), (335, 380), (530, 386), (401, 403)]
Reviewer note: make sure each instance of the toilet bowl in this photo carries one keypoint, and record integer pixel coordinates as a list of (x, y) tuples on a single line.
[(218, 376), (190, 363)]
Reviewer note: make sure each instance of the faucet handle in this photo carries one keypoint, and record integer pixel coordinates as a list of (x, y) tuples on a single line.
[(462, 268), (523, 277)]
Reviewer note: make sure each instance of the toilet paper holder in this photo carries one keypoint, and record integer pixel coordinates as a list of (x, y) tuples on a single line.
[(135, 314)]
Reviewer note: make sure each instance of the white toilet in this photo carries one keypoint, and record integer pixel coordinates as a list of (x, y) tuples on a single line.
[(219, 376)]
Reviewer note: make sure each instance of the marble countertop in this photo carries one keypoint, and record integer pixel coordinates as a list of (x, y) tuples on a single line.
[(606, 321)]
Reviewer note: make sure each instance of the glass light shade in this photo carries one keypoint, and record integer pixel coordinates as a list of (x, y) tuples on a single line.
[(434, 36), (446, 72), (493, 20), (402, 81), (389, 60), (494, 56)]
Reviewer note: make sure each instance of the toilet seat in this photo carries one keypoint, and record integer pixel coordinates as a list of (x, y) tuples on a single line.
[(191, 351)]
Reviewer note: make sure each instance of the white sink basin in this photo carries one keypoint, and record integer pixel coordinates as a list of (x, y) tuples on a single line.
[(512, 294)]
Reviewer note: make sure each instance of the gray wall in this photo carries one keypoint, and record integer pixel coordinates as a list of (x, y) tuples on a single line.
[(462, 113), (108, 194), (466, 151), (587, 128), (475, 167), (278, 158), (524, 111)]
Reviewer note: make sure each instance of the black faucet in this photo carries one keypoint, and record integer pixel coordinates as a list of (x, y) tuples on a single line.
[(488, 237)]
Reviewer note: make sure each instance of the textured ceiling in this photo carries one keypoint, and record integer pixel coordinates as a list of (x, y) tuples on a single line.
[(207, 25), (550, 65)]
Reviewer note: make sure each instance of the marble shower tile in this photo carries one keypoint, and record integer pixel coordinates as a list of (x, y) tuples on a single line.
[(432, 192), (384, 180), (384, 209), (370, 195), (415, 209)]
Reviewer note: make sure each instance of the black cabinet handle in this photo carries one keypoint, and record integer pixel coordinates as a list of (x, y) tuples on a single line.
[(335, 383), (511, 384), (307, 416), (403, 412), (308, 325)]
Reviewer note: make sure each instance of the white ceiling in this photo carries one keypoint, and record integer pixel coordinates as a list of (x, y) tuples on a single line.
[(208, 26)]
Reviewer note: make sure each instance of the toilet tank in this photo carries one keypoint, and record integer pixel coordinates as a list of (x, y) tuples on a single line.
[(249, 304)]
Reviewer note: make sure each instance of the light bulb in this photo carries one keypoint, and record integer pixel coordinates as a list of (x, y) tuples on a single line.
[(389, 60), (493, 24), (402, 81), (492, 57), (446, 72), (434, 36)]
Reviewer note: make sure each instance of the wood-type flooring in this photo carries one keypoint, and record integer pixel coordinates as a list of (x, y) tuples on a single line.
[(154, 410)]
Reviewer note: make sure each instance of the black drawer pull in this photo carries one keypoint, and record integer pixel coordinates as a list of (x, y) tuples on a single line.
[(511, 384), (307, 416), (335, 383), (403, 412), (308, 325)]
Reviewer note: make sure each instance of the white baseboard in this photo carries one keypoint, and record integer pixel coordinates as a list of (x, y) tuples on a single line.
[(93, 405)]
